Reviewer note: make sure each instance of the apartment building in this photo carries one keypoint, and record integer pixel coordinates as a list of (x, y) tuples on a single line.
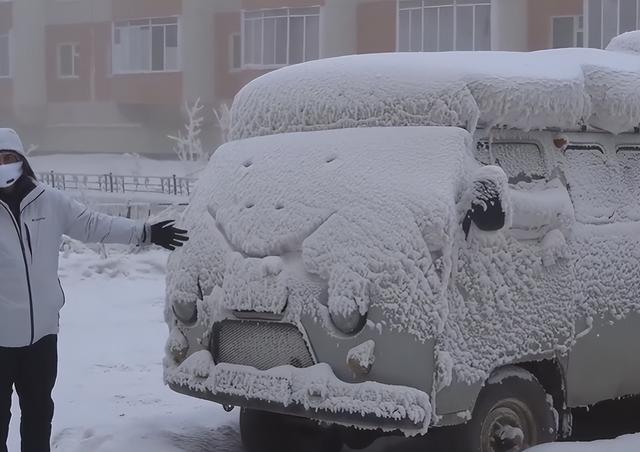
[(114, 75)]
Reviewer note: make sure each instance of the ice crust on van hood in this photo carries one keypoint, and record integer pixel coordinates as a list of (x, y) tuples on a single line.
[(563, 88), (362, 208)]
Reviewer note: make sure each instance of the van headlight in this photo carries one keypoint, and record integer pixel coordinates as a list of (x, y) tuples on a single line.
[(348, 318), (186, 313)]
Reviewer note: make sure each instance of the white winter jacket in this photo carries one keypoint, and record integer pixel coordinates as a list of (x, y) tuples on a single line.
[(30, 293)]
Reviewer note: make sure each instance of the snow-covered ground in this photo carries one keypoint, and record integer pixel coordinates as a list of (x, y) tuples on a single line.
[(110, 396)]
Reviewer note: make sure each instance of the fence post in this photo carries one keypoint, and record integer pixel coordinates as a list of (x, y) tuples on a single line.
[(175, 185), (111, 182), (53, 179)]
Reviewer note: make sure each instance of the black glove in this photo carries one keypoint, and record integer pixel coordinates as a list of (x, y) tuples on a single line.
[(164, 234)]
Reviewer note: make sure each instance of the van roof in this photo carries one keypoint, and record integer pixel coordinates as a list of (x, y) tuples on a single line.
[(562, 88)]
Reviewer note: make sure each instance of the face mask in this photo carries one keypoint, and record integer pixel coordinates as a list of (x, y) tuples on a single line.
[(9, 174)]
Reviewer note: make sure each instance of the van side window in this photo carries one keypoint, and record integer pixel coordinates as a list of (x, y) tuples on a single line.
[(629, 158), (593, 183), (522, 162)]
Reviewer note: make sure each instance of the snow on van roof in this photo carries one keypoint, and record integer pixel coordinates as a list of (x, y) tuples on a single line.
[(626, 42), (562, 88)]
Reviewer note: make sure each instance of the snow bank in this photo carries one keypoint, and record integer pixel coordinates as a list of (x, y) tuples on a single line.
[(627, 443), (549, 89)]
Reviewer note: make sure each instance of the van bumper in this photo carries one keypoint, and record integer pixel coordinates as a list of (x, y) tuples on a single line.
[(313, 392)]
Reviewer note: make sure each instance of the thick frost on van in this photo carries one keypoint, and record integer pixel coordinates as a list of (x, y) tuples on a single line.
[(564, 89), (327, 224), (357, 220)]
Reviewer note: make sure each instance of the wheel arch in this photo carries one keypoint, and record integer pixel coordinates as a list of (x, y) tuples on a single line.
[(551, 375)]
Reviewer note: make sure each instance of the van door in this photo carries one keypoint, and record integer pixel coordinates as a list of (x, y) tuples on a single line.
[(604, 363)]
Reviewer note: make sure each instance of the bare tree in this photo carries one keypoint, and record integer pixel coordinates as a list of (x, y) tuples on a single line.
[(223, 116), (188, 144)]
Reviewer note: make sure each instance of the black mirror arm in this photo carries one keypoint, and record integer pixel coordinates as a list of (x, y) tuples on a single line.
[(466, 223)]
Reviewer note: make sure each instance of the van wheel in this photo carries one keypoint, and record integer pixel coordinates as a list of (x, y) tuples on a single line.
[(512, 414), (261, 431)]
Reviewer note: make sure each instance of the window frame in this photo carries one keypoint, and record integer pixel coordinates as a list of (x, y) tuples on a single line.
[(587, 14), (116, 24), (9, 74), (627, 148), (269, 13), (75, 57), (232, 49), (621, 150), (602, 151), (575, 31), (487, 143), (455, 5)]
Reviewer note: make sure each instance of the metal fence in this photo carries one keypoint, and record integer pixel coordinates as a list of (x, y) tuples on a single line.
[(111, 183)]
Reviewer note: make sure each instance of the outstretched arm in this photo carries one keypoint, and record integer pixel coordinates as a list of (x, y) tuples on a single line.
[(92, 227)]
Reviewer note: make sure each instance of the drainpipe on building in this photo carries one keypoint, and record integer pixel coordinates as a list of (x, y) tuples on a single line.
[(92, 69)]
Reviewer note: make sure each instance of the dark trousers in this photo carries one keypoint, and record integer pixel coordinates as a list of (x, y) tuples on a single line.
[(33, 371)]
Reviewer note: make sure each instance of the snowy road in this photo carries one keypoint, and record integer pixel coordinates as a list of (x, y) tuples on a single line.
[(110, 396)]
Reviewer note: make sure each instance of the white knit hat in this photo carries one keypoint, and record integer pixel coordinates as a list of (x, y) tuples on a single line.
[(10, 141)]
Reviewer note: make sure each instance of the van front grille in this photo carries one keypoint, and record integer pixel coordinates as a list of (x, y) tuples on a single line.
[(263, 345)]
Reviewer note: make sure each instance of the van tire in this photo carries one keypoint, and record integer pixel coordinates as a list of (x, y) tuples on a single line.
[(514, 399), (262, 431)]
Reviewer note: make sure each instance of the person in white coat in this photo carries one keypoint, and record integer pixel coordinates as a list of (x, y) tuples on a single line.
[(33, 219)]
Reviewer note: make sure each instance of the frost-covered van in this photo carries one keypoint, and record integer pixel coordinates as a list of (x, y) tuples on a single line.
[(401, 242)]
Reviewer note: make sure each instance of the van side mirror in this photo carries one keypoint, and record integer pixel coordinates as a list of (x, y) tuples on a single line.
[(488, 208)]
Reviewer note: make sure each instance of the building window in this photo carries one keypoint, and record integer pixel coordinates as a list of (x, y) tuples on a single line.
[(443, 25), (568, 31), (68, 57), (609, 18), (277, 37), (5, 56), (147, 45), (235, 51)]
